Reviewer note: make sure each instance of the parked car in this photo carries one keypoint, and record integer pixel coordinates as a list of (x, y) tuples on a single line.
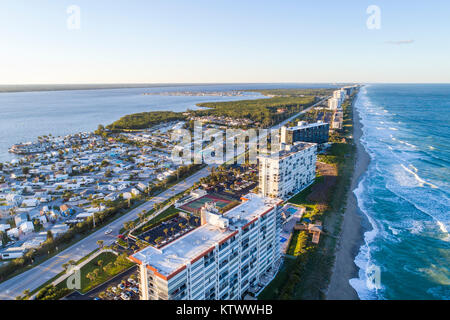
[(135, 290), (115, 290), (125, 296), (131, 281), (121, 286)]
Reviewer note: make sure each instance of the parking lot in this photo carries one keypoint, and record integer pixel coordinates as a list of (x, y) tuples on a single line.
[(121, 287), (169, 230)]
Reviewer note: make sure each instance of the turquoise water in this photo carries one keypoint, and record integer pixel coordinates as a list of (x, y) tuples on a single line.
[(405, 193)]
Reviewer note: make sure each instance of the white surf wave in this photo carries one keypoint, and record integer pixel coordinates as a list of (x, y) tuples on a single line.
[(421, 181)]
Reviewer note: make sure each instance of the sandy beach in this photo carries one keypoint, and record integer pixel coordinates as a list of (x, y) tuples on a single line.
[(353, 228)]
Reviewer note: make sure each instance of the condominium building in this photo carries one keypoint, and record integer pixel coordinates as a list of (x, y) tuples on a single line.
[(313, 132), (228, 256), (338, 119), (334, 103), (284, 173), (340, 95)]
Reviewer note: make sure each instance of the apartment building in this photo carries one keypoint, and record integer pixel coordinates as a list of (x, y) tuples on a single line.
[(284, 173), (313, 132), (334, 103), (226, 257)]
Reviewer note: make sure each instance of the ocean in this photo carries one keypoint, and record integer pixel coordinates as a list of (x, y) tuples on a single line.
[(26, 115), (405, 192)]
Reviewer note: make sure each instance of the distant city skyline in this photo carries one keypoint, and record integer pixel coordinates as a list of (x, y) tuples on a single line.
[(164, 42)]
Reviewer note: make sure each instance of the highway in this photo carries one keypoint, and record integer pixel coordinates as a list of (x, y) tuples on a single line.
[(40, 274)]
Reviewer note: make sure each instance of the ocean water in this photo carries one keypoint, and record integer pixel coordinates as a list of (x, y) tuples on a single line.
[(405, 192)]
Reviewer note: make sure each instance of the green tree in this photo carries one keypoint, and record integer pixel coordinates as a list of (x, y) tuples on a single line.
[(100, 243)]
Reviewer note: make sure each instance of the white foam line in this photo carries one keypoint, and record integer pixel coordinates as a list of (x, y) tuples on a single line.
[(419, 179)]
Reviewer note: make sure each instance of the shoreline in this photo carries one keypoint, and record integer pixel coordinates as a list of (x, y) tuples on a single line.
[(354, 226)]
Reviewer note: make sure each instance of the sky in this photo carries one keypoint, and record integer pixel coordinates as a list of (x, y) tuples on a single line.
[(223, 41)]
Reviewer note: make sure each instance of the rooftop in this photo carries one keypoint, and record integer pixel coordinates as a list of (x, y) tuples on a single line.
[(194, 244), (287, 150), (252, 207), (183, 250), (307, 125)]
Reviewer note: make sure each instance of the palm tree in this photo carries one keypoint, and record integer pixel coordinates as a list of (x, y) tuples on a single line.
[(166, 231), (172, 230), (100, 243)]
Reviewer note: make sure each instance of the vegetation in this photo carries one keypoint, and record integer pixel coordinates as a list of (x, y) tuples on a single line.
[(266, 112), (145, 120), (166, 215), (306, 272), (51, 292), (102, 268), (298, 243)]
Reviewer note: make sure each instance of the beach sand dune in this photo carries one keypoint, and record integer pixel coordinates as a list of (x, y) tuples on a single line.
[(353, 228)]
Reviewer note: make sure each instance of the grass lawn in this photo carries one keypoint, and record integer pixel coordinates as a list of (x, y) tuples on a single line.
[(110, 266), (297, 244), (307, 268)]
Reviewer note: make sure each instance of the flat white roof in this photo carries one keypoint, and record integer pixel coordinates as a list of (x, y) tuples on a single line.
[(308, 125), (250, 209), (178, 253), (290, 149)]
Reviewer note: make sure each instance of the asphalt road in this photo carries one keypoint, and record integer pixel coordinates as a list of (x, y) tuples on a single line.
[(40, 274)]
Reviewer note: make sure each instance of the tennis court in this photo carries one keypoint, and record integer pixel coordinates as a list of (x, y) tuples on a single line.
[(194, 206)]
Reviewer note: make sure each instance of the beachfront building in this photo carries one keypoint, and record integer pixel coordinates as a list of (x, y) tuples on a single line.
[(284, 173), (338, 98), (334, 103), (228, 256), (313, 132)]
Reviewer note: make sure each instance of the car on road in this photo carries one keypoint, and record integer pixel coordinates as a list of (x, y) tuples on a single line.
[(108, 231)]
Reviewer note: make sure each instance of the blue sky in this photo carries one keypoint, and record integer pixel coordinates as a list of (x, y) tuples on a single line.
[(163, 41)]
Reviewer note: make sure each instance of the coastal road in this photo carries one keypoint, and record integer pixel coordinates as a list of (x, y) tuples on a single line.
[(40, 274)]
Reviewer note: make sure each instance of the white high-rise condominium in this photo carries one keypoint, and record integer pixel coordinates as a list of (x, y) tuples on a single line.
[(226, 257), (333, 103), (284, 173)]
